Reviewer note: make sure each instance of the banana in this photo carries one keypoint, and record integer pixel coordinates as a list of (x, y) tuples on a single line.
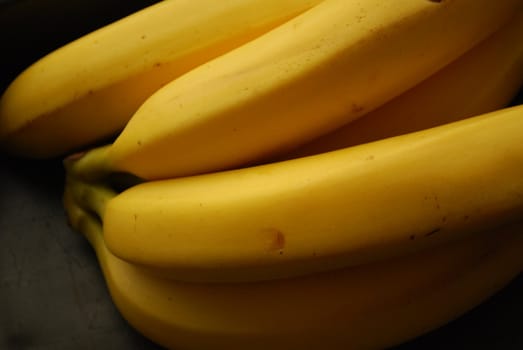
[(86, 91), (22, 44), (307, 77), (335, 209), (372, 306), (484, 79)]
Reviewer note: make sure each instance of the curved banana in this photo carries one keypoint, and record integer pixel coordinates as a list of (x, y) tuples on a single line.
[(303, 79), (340, 208), (484, 79), (340, 309), (87, 90), (30, 29)]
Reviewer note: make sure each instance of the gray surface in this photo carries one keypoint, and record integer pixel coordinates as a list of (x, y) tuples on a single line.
[(52, 294)]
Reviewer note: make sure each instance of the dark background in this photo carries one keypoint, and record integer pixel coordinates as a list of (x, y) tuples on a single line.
[(52, 293)]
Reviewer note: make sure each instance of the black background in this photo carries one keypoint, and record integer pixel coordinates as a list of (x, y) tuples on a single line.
[(52, 293)]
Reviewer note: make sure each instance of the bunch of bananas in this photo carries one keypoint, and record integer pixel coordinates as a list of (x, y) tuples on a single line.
[(288, 174)]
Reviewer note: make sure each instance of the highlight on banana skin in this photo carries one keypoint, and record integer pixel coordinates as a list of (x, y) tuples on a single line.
[(288, 174)]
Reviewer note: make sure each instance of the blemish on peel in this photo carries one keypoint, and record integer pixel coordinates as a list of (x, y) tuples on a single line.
[(356, 108), (436, 201), (359, 18), (433, 232), (276, 239)]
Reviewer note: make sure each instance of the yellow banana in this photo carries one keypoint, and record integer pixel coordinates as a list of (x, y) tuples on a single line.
[(372, 306), (305, 78), (88, 90), (484, 79), (340, 208)]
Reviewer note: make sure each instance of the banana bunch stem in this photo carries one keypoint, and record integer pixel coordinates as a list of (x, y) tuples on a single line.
[(89, 165), (92, 197), (80, 220)]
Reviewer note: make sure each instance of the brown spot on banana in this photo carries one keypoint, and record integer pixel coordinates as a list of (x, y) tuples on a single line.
[(433, 232), (276, 239), (135, 217), (357, 108)]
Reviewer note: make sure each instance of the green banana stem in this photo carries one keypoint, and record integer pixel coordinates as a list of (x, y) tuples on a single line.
[(90, 196), (92, 165)]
